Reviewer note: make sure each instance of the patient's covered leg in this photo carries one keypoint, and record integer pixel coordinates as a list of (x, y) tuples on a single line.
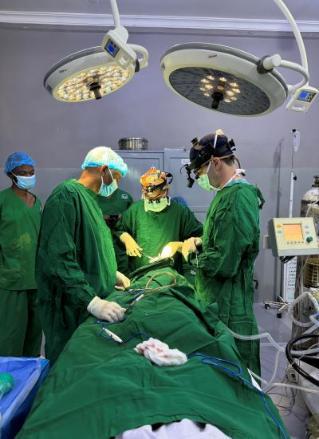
[(184, 429)]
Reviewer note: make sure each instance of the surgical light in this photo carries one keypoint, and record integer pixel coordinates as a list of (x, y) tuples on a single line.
[(238, 82), (98, 71)]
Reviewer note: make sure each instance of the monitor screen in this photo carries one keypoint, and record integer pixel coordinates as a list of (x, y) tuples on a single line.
[(293, 232), (306, 96), (111, 48)]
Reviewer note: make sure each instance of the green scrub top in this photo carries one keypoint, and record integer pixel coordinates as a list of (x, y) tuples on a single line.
[(225, 266), (75, 261), (115, 204), (153, 230), (19, 229)]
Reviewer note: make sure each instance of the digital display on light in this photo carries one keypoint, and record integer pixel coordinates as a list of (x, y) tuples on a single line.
[(293, 232), (306, 96), (111, 48)]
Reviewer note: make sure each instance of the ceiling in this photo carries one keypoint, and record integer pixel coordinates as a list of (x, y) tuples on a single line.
[(251, 9)]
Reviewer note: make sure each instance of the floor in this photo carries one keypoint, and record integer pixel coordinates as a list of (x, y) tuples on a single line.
[(290, 403)]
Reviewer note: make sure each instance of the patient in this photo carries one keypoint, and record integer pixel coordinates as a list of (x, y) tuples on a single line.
[(101, 388)]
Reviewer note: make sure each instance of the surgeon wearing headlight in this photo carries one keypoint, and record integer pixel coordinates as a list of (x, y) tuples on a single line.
[(20, 215), (225, 255), (76, 266), (156, 222)]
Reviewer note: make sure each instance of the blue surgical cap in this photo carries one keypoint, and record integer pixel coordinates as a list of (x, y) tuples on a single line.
[(17, 159)]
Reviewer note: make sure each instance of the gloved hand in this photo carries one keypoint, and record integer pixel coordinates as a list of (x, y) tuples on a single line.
[(171, 249), (190, 246), (122, 282), (105, 310), (132, 247)]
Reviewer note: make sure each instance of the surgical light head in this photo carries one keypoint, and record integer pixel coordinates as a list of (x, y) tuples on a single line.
[(98, 71), (155, 184), (235, 82), (211, 145)]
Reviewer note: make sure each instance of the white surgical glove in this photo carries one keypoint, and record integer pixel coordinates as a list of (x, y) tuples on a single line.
[(122, 282), (105, 310), (190, 246)]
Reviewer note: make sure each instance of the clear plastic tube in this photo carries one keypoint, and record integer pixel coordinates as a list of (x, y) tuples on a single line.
[(295, 386), (258, 337), (295, 302)]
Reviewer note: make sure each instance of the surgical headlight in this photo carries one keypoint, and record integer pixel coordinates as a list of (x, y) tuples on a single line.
[(212, 145), (98, 71), (235, 82)]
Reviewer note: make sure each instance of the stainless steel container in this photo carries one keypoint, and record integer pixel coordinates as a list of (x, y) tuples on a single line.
[(133, 143)]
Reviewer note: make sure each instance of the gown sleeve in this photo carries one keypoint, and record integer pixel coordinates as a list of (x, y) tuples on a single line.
[(231, 236), (57, 252), (191, 225)]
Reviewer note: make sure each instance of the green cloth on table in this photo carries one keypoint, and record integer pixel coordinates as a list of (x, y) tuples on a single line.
[(75, 262), (99, 388)]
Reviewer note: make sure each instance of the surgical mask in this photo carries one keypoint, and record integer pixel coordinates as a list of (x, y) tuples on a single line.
[(106, 190), (25, 183), (156, 206), (204, 183)]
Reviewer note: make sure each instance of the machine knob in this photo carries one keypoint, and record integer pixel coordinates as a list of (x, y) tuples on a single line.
[(309, 239)]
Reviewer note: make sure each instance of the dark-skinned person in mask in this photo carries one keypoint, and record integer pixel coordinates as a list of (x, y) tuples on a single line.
[(20, 216), (156, 222), (225, 255), (76, 266)]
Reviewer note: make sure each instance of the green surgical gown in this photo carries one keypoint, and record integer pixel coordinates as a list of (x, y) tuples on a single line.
[(226, 264), (19, 229), (114, 206), (20, 329), (153, 230), (75, 262)]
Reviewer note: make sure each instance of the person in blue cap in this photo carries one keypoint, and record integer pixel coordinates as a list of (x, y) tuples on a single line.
[(76, 267), (20, 215)]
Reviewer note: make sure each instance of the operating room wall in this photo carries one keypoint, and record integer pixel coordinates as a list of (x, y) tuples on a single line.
[(58, 135)]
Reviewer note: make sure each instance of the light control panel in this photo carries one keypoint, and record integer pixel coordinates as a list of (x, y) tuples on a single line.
[(293, 236)]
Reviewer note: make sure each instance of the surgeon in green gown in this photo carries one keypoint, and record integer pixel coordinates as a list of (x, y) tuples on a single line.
[(225, 255), (20, 215), (113, 206), (76, 266), (156, 222)]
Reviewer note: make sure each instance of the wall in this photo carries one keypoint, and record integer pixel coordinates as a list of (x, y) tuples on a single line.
[(58, 135)]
